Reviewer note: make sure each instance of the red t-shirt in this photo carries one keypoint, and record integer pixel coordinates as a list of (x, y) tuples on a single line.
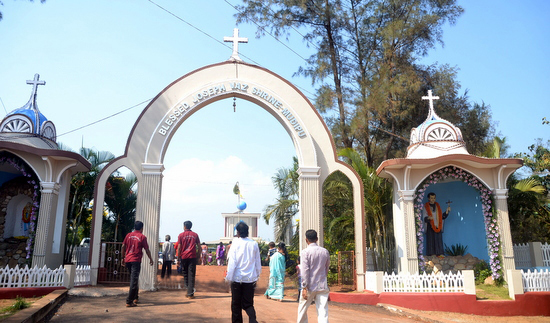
[(134, 242), (188, 240)]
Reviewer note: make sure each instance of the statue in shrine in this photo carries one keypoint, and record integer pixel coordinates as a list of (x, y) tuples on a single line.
[(26, 219), (434, 219)]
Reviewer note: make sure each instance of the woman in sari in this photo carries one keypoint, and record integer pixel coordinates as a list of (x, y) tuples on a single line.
[(277, 270)]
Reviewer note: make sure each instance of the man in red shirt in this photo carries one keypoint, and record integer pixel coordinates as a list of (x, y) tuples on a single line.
[(132, 247), (188, 242)]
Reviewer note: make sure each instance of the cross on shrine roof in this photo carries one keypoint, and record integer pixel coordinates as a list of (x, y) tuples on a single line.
[(431, 98), (35, 83), (235, 40)]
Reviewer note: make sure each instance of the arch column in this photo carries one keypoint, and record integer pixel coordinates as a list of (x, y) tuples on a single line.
[(48, 204), (310, 203), (409, 261), (148, 211), (501, 201)]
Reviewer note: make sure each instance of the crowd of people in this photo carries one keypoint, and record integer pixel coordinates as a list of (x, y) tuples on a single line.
[(243, 260)]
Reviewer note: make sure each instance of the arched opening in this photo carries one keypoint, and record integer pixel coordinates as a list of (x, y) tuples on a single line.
[(204, 161), (19, 198)]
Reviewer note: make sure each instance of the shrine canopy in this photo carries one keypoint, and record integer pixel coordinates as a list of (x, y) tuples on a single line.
[(437, 146), (437, 143)]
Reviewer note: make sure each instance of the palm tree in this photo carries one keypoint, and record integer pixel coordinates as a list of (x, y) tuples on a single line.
[(120, 197), (283, 211), (378, 214), (81, 196)]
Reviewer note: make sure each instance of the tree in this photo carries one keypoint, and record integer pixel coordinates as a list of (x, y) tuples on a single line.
[(1, 4), (366, 68), (120, 197), (378, 213), (81, 197), (528, 201), (283, 211)]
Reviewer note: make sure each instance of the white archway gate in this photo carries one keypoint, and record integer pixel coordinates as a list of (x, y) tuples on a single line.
[(152, 132)]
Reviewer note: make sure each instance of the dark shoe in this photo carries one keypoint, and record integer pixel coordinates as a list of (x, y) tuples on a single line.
[(131, 305), (190, 296)]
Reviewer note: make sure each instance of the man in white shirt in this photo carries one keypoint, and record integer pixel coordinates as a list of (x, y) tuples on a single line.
[(315, 261), (243, 270)]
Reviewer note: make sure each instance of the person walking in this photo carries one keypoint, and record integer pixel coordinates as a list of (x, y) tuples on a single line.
[(220, 254), (243, 270), (204, 253), (168, 254), (188, 243), (132, 249), (315, 261), (277, 271)]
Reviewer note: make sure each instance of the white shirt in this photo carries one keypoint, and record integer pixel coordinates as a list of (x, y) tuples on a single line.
[(314, 263), (168, 251), (244, 265)]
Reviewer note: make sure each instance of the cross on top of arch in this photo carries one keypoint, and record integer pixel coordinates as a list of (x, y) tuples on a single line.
[(235, 40)]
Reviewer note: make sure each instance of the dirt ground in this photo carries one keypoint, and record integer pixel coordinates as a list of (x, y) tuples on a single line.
[(213, 304)]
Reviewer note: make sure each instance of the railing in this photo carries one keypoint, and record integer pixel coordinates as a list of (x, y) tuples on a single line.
[(532, 254), (545, 248), (82, 276), (536, 281), (31, 277), (522, 255), (80, 255), (424, 283)]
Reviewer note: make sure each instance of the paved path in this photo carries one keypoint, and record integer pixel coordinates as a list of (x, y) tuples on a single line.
[(213, 304), (172, 306)]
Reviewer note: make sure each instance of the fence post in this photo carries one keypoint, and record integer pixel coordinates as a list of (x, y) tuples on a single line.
[(68, 278), (469, 282), (378, 282), (515, 283), (535, 248)]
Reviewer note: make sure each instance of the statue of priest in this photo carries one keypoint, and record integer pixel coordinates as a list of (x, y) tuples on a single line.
[(433, 217)]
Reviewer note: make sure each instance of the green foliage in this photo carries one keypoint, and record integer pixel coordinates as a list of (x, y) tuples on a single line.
[(283, 211), (456, 250), (528, 202), (482, 271), (332, 276), (20, 303)]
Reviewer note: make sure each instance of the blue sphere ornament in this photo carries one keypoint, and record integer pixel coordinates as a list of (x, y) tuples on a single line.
[(241, 206)]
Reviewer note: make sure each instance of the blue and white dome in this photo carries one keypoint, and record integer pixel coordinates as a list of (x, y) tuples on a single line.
[(435, 136), (28, 119)]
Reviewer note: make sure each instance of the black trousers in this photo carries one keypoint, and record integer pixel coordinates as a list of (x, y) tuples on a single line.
[(166, 268), (134, 268), (242, 298), (189, 267)]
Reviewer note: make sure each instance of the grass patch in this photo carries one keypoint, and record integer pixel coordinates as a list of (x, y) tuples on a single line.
[(19, 304), (492, 292)]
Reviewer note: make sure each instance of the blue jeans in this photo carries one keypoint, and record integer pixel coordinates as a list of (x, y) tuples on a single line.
[(134, 268)]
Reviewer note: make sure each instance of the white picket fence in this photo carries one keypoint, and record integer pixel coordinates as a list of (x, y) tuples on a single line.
[(31, 277), (82, 276), (536, 281), (424, 283)]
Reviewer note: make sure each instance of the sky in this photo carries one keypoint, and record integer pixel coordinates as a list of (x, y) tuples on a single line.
[(104, 57)]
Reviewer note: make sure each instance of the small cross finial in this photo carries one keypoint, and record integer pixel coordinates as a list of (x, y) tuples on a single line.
[(35, 83), (235, 40), (431, 98)]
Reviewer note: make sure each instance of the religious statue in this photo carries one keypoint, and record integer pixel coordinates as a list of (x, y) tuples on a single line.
[(26, 219), (433, 217)]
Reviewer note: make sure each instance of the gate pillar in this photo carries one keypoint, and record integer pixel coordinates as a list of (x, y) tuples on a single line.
[(148, 211), (310, 204)]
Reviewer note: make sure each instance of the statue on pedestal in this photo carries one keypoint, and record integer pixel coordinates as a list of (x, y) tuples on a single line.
[(434, 219)]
